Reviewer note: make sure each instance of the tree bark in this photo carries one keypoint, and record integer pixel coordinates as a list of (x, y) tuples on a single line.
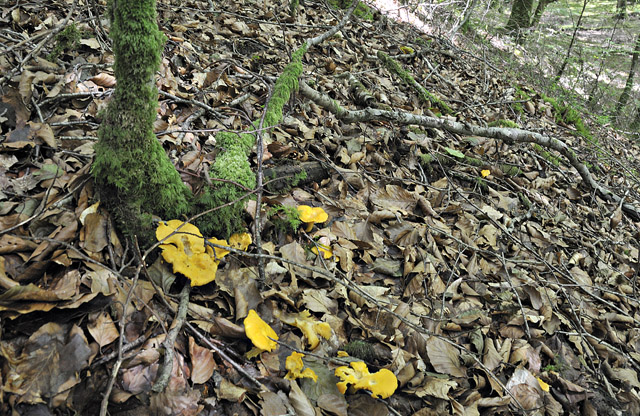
[(537, 15), (573, 39), (621, 9)]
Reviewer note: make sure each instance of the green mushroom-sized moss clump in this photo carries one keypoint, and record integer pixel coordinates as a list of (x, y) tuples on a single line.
[(133, 175), (504, 123), (67, 39)]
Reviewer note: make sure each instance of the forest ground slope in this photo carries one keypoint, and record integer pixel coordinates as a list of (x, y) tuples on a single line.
[(487, 276)]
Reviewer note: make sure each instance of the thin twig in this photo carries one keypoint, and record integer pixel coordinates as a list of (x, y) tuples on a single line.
[(164, 373), (116, 367)]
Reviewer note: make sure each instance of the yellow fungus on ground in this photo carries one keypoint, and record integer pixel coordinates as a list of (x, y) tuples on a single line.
[(381, 384), (310, 215), (185, 249), (259, 332), (294, 366), (186, 252), (310, 327)]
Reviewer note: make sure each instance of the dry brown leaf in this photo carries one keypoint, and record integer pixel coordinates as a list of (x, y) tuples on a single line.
[(102, 328), (444, 357), (47, 365), (202, 362)]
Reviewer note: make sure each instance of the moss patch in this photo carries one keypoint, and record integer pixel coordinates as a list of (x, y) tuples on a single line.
[(232, 163), (68, 39), (566, 114), (504, 123)]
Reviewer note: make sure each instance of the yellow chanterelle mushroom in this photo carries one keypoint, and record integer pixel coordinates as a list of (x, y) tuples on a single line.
[(310, 215)]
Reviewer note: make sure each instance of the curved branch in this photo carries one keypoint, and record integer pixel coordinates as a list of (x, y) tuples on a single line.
[(508, 135)]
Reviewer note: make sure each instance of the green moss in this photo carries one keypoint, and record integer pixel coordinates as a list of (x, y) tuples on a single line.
[(133, 175), (293, 7), (510, 170), (285, 85), (285, 218), (360, 349), (549, 157), (566, 114), (504, 123), (362, 11), (68, 39), (394, 66), (227, 199), (520, 95)]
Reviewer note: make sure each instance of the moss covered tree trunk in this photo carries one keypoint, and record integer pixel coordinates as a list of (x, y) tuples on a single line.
[(133, 175), (520, 17)]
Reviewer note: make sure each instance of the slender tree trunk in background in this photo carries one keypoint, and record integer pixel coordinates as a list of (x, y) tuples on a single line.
[(542, 4), (464, 17), (635, 125), (573, 40), (133, 176), (520, 17), (624, 97), (621, 9), (594, 94)]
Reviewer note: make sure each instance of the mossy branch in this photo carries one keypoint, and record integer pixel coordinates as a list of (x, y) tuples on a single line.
[(395, 68), (508, 135), (232, 163)]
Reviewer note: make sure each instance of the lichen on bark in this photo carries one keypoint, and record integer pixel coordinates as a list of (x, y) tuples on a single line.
[(133, 175)]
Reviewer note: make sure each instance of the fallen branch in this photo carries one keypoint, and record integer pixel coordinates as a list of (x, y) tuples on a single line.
[(164, 373), (507, 135)]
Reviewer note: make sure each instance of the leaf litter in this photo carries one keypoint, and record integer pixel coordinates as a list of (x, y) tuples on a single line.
[(483, 275)]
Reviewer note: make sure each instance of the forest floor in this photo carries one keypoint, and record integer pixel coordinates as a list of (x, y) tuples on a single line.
[(488, 277)]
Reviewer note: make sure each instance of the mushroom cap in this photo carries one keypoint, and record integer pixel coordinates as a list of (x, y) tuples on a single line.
[(381, 384), (309, 326), (240, 241), (185, 251), (219, 252), (259, 332), (312, 215)]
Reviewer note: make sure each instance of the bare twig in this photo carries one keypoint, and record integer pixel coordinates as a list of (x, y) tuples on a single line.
[(116, 367), (164, 373)]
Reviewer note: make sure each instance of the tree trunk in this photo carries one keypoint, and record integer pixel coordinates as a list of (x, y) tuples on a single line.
[(621, 9), (624, 97), (573, 39), (635, 125), (542, 4), (133, 175), (520, 17)]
